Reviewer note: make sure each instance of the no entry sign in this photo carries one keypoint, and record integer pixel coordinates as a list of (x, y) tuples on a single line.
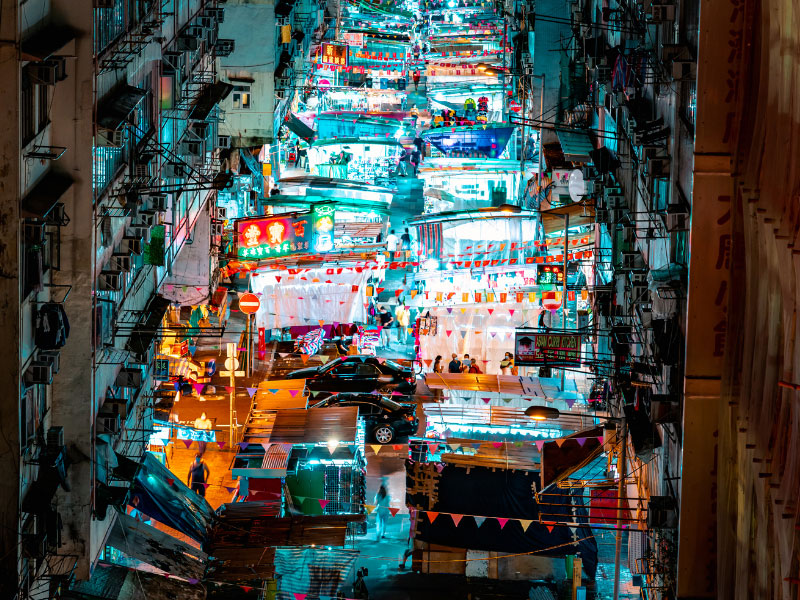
[(249, 304)]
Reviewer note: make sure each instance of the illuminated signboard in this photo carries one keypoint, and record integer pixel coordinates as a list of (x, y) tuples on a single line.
[(550, 275), (334, 54), (270, 237), (538, 348)]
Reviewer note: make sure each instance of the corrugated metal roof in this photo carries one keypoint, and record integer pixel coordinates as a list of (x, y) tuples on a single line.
[(576, 145)]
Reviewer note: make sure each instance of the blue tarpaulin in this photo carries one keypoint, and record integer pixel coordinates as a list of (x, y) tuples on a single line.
[(165, 498)]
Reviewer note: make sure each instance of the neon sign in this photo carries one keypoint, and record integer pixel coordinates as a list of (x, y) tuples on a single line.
[(270, 237)]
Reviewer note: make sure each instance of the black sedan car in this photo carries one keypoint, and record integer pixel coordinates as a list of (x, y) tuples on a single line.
[(358, 374), (385, 420)]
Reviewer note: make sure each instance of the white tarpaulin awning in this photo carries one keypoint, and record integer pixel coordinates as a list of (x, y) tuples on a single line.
[(307, 298), (190, 281)]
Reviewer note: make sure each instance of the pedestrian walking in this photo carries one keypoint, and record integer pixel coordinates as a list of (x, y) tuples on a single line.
[(203, 424), (385, 319), (391, 244), (382, 513), (198, 475), (416, 77)]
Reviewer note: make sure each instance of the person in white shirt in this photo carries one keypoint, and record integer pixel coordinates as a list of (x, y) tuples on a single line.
[(391, 244), (382, 512)]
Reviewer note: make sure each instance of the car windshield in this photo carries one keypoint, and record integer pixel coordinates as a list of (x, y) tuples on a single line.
[(390, 404)]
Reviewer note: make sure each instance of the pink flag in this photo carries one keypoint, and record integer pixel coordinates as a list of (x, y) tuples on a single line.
[(486, 400), (298, 596), (221, 445), (457, 518), (323, 503), (502, 522), (497, 444), (198, 387), (448, 332), (539, 445), (187, 443)]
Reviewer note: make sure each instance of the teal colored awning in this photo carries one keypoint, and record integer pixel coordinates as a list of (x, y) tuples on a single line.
[(576, 145)]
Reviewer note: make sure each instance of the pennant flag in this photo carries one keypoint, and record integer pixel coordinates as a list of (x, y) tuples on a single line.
[(299, 499), (539, 445), (393, 510), (246, 588), (299, 596), (221, 445), (600, 439), (457, 519), (486, 400), (243, 445), (304, 357), (454, 447), (497, 444), (581, 441), (570, 402), (560, 442), (194, 581), (525, 524), (321, 322), (413, 293), (376, 448), (397, 446), (252, 391), (228, 389), (490, 310), (370, 508), (448, 332), (550, 525), (164, 442), (479, 520), (431, 515), (502, 522), (428, 362), (230, 489), (449, 310), (433, 448), (511, 312), (198, 387), (323, 503), (170, 481), (187, 443)]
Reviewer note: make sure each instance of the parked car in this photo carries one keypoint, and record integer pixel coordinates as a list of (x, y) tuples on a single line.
[(358, 374), (385, 420)]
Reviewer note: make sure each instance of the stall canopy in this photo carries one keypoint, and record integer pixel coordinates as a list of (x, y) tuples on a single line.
[(148, 544), (307, 298), (165, 498), (492, 494), (298, 127), (313, 572), (114, 110), (312, 426), (472, 141), (210, 96), (576, 145)]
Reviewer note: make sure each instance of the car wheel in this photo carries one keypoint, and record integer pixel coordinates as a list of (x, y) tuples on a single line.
[(383, 434)]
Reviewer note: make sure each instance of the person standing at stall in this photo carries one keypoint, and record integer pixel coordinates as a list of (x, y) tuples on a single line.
[(203, 424)]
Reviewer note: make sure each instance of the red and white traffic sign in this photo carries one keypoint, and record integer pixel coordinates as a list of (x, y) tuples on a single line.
[(249, 304)]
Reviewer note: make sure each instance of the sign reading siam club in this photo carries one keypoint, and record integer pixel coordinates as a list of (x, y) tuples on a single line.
[(537, 348), (270, 237)]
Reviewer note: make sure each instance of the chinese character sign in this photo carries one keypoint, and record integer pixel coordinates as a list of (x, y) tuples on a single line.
[(270, 237), (334, 54), (547, 349)]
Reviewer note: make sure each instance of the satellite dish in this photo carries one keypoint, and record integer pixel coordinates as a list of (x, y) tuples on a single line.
[(577, 185)]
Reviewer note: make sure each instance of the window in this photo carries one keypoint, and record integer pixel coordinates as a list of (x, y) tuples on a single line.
[(241, 97), (348, 368), (42, 107), (367, 371), (27, 112)]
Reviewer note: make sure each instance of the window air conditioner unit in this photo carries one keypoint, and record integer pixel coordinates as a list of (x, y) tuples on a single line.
[(221, 213), (49, 357), (157, 203), (223, 141), (676, 218), (38, 373), (658, 167), (191, 147), (207, 22), (217, 13), (616, 201), (217, 230), (602, 215), (174, 170), (661, 13), (121, 262), (129, 378), (44, 73), (108, 423), (131, 245), (139, 231), (109, 281), (684, 69), (112, 138), (145, 219), (143, 170), (187, 42)]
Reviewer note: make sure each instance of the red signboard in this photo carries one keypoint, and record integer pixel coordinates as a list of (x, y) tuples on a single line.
[(262, 343), (249, 304), (334, 54)]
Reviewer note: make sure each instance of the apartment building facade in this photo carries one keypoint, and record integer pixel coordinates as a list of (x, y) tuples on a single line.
[(111, 165)]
